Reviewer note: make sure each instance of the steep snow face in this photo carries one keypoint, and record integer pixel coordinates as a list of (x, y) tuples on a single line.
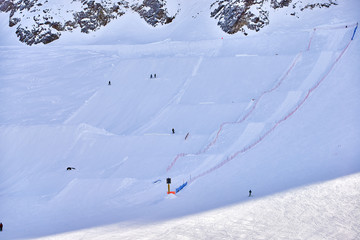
[(42, 21)]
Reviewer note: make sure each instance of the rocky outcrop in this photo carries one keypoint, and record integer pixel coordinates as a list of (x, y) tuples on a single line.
[(235, 15), (95, 15), (38, 21), (243, 15), (280, 3), (154, 12), (43, 21)]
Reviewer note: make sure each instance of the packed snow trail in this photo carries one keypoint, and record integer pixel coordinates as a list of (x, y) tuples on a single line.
[(285, 215), (249, 147), (277, 123), (297, 58), (175, 100)]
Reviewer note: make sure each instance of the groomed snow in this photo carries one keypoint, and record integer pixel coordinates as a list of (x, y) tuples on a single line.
[(311, 212)]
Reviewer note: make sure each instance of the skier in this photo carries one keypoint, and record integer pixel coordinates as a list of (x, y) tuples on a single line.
[(109, 83), (155, 75), (250, 193), (187, 136), (1, 227), (150, 75), (173, 131)]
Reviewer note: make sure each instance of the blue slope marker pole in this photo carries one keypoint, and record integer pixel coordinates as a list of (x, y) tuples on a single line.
[(181, 187), (352, 38)]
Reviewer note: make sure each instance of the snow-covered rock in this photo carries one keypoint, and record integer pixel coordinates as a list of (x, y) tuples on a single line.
[(244, 15), (42, 21)]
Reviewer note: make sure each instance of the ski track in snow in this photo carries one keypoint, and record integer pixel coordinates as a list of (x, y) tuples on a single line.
[(253, 106), (67, 121), (291, 100), (175, 100)]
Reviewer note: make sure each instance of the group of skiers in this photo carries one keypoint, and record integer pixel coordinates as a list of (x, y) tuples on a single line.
[(151, 76)]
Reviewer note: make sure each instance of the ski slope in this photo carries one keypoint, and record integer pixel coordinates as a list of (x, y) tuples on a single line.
[(288, 215), (275, 112)]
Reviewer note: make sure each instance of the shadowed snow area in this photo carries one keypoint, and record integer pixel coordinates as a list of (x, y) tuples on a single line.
[(275, 112)]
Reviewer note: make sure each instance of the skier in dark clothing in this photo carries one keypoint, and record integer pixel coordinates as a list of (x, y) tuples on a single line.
[(1, 227), (150, 75), (250, 193), (109, 83), (173, 131)]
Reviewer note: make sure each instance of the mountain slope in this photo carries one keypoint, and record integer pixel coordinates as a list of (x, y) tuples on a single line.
[(275, 112)]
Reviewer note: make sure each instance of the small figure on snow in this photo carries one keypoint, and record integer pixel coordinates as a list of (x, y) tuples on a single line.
[(109, 83), (173, 131), (1, 227), (150, 75), (70, 168), (155, 75), (187, 135), (250, 193)]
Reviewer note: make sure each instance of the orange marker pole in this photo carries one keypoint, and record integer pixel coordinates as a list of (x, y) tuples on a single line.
[(168, 181)]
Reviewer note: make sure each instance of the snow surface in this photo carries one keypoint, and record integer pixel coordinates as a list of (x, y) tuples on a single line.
[(276, 112)]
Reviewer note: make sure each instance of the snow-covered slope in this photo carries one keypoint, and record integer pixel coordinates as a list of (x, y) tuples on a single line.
[(275, 112)]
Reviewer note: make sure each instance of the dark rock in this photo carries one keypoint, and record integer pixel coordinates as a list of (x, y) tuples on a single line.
[(241, 15), (235, 15), (153, 12), (6, 6), (280, 3), (13, 21), (36, 35)]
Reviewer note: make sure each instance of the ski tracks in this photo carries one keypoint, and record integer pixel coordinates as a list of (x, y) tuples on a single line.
[(322, 65), (251, 108), (175, 100)]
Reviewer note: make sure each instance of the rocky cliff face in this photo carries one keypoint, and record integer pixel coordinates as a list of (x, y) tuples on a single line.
[(242, 15), (41, 21), (38, 21)]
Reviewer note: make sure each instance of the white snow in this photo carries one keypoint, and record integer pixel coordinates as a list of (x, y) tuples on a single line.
[(305, 213), (276, 112)]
